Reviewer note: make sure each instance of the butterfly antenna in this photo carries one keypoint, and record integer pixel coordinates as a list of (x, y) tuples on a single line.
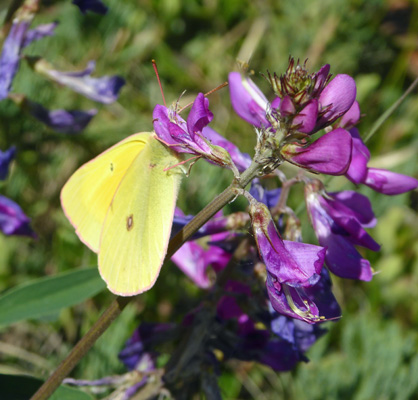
[(206, 95), (154, 65)]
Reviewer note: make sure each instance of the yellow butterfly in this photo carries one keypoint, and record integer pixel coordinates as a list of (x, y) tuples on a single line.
[(122, 206)]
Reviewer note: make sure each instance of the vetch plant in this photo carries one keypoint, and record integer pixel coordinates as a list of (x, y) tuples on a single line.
[(267, 292)]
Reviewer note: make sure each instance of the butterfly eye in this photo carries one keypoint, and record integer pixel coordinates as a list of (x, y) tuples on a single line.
[(129, 222)]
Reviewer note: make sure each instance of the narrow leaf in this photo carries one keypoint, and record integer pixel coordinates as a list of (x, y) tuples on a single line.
[(47, 296)]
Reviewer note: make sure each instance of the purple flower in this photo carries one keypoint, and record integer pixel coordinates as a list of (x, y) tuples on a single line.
[(330, 154), (292, 263), (138, 352), (5, 159), (269, 197), (10, 55), (299, 333), (388, 182), (339, 220), (93, 5), (63, 121), (306, 104), (357, 171), (104, 90), (39, 32), (194, 259), (381, 180), (12, 219), (310, 304), (188, 137), (250, 343), (336, 99), (247, 100)]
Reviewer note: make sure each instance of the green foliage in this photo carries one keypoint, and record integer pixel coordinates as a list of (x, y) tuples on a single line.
[(47, 296), (371, 352), (15, 387)]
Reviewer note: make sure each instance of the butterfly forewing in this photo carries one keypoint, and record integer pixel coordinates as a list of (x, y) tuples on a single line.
[(87, 195), (138, 223)]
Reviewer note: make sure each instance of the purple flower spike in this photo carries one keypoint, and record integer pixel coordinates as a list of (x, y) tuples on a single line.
[(339, 225), (330, 154), (10, 55), (388, 182), (292, 263), (247, 100), (91, 5), (39, 32), (12, 219), (305, 120), (5, 159), (336, 99), (104, 90)]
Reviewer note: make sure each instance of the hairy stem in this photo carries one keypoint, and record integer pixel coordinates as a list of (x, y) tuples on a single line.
[(119, 303)]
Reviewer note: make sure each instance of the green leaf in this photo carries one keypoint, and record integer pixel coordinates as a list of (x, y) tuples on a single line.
[(17, 387), (46, 296)]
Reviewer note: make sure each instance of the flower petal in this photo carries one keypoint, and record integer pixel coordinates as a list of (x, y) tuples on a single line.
[(12, 219), (307, 117), (357, 171), (5, 159), (330, 154), (199, 115), (351, 117), (338, 96), (388, 182), (63, 121), (104, 90), (39, 32), (247, 100), (10, 55)]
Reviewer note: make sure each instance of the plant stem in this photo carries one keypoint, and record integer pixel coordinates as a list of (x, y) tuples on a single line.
[(389, 111), (119, 303)]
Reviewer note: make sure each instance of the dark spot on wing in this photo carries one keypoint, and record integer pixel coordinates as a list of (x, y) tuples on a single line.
[(152, 165), (129, 222), (111, 167)]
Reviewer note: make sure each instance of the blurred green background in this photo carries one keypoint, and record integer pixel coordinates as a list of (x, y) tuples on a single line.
[(372, 352)]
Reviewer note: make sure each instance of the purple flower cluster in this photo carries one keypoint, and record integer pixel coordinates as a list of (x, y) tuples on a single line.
[(307, 104), (268, 293)]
